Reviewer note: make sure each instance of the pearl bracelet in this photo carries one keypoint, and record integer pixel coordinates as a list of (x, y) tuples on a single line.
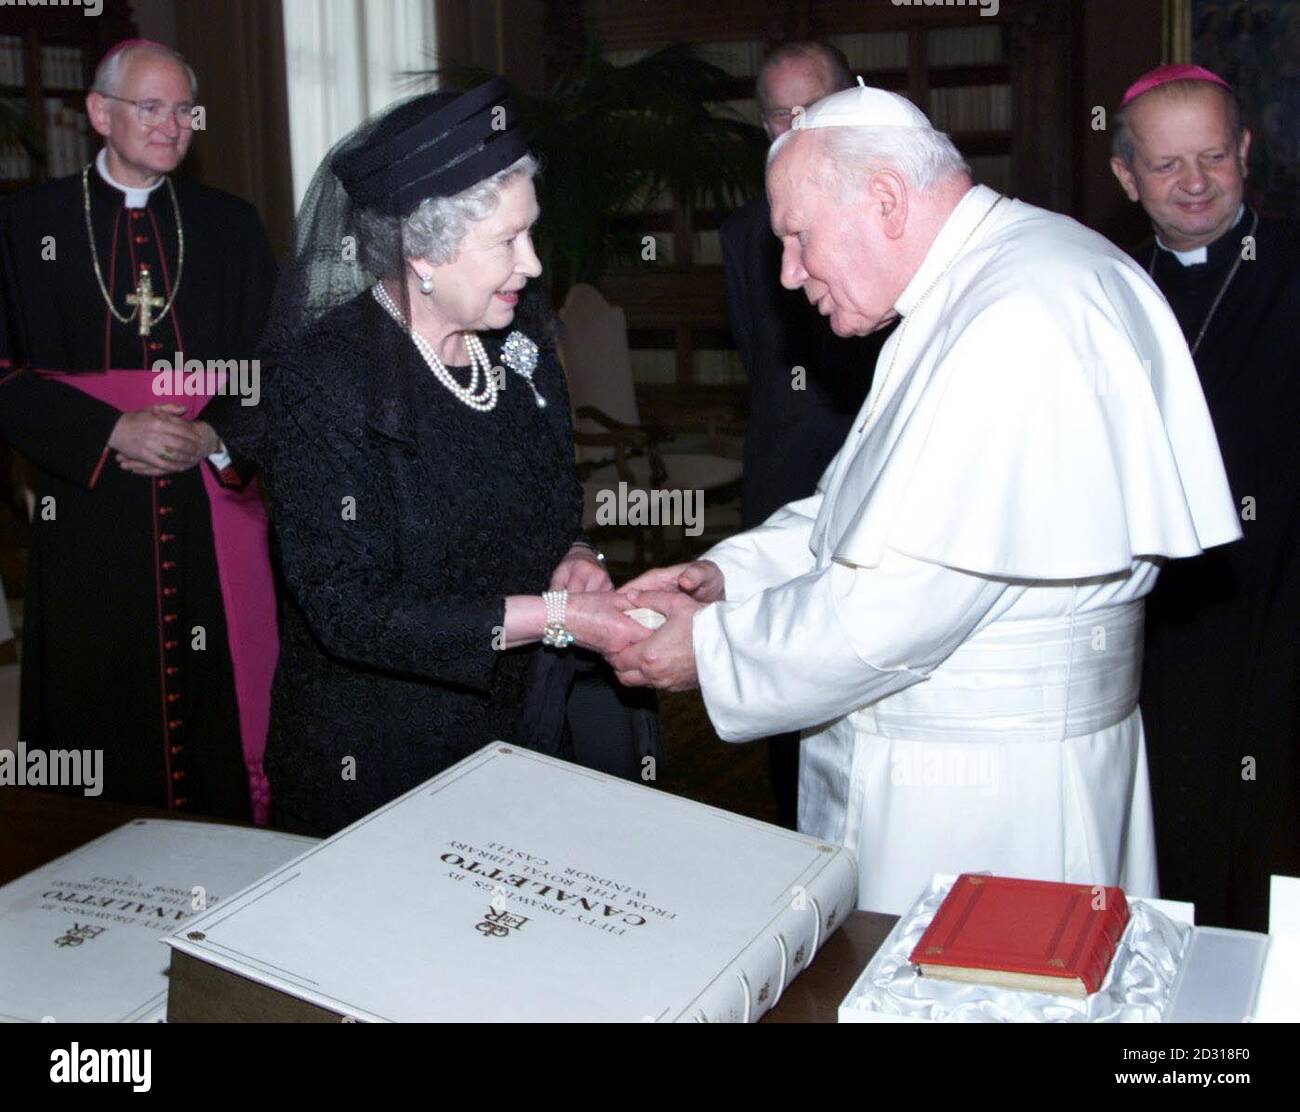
[(554, 634)]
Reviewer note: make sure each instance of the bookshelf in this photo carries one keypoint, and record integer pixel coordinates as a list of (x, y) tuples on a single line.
[(997, 85), (47, 58)]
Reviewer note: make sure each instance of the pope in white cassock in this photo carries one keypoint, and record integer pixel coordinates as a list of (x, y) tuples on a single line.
[(954, 618)]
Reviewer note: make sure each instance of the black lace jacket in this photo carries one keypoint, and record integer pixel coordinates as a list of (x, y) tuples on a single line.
[(402, 519)]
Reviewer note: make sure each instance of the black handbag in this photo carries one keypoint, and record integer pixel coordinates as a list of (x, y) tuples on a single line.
[(577, 710)]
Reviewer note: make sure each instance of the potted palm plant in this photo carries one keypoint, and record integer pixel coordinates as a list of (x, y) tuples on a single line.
[(614, 139)]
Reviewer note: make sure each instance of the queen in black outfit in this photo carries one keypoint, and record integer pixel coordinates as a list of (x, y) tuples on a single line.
[(418, 459)]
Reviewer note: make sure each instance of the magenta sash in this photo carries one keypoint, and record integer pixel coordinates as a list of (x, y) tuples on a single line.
[(239, 533)]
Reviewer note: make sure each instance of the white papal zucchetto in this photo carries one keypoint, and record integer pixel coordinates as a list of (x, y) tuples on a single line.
[(863, 106)]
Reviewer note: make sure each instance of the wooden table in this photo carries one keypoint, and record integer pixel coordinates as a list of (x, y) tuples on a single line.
[(36, 827), (814, 996)]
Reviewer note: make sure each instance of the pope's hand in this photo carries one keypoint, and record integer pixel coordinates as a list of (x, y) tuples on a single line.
[(701, 579), (597, 621), (667, 659)]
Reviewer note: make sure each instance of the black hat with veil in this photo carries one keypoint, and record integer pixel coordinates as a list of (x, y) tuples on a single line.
[(351, 227)]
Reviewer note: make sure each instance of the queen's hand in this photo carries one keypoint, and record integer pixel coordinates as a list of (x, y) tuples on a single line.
[(580, 571), (598, 621)]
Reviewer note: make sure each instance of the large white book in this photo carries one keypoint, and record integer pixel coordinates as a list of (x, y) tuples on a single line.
[(79, 937), (515, 886)]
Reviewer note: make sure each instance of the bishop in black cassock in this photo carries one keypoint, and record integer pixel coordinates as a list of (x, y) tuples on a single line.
[(129, 643), (1221, 674)]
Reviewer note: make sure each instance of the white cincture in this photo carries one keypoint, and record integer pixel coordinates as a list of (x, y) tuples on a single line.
[(478, 361)]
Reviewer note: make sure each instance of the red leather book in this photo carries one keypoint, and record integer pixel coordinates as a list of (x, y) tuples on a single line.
[(1036, 935)]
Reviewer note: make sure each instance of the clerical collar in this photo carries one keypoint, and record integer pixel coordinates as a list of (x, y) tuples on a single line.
[(136, 198), (951, 240), (1198, 255)]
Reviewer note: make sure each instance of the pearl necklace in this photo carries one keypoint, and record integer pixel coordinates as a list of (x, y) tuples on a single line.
[(481, 400)]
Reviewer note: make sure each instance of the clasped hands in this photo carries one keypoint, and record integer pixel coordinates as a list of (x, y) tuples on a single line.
[(160, 440), (640, 657)]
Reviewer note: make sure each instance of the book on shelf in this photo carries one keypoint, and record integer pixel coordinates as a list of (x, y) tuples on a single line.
[(514, 886), (971, 108), (13, 65), (964, 46), (67, 138), (873, 50), (61, 67)]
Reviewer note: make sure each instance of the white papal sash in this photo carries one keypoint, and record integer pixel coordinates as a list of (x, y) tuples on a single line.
[(1043, 679)]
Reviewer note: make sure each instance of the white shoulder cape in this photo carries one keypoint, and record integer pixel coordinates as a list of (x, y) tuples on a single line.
[(1045, 419)]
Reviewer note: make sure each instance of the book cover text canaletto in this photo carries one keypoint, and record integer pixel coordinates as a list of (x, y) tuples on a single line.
[(514, 879)]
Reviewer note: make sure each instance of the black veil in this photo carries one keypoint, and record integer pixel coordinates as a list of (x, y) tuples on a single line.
[(326, 268)]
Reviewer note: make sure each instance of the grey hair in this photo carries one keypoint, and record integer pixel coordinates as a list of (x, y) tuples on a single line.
[(921, 156), (108, 74), (1121, 138), (435, 230)]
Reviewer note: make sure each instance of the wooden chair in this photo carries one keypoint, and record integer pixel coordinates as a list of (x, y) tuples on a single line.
[(612, 445)]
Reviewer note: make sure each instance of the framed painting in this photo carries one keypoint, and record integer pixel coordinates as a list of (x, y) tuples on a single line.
[(1255, 46)]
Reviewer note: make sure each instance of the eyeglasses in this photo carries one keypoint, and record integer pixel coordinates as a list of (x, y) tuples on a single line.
[(152, 113)]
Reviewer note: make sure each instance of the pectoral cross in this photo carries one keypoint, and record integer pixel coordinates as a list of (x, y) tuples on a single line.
[(146, 300)]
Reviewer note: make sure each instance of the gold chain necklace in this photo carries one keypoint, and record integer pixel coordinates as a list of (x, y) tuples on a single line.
[(875, 404), (94, 253)]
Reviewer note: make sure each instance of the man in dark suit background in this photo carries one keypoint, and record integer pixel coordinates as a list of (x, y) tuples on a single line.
[(806, 384)]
